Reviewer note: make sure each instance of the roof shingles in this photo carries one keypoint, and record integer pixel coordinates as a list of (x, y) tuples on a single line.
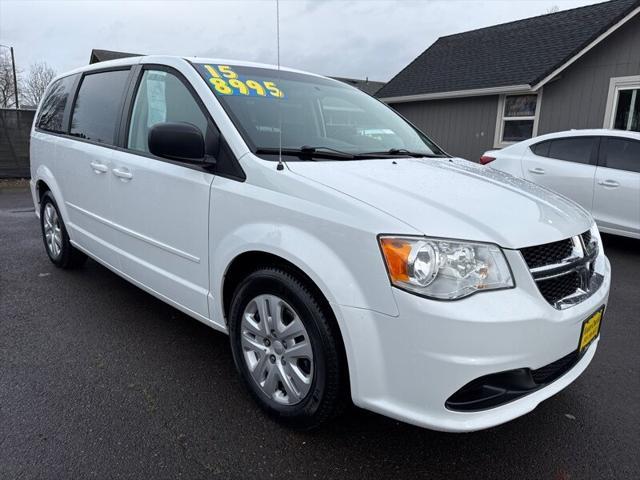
[(516, 53)]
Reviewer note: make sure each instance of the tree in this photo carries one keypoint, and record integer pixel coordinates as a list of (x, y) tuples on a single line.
[(7, 90), (40, 75)]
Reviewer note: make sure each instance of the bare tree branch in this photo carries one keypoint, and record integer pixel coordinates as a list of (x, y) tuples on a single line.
[(40, 75), (7, 92)]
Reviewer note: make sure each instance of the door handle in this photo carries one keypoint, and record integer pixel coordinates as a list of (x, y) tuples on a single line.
[(123, 174), (99, 167), (608, 183), (537, 170)]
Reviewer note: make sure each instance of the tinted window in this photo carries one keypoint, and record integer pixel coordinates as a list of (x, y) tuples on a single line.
[(621, 154), (577, 149), (52, 109), (541, 149), (97, 109), (161, 97)]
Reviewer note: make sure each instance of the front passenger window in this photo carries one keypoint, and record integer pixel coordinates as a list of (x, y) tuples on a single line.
[(161, 97)]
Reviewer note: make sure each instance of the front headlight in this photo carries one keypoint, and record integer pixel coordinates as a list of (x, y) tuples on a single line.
[(444, 269)]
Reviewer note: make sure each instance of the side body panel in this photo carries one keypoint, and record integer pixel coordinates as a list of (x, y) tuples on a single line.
[(508, 160), (324, 233), (83, 171), (573, 180), (161, 227), (616, 201)]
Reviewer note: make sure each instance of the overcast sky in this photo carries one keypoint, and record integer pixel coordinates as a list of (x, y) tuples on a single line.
[(373, 39)]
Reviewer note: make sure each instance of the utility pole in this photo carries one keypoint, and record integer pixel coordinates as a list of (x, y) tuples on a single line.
[(15, 80)]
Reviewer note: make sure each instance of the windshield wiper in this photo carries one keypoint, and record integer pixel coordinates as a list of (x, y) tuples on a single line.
[(307, 151), (403, 152)]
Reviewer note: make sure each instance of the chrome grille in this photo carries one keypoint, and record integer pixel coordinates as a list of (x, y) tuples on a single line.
[(564, 270)]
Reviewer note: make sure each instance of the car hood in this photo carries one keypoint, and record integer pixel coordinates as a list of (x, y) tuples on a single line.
[(454, 198)]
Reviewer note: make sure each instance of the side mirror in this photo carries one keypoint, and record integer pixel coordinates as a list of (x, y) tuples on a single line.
[(177, 141)]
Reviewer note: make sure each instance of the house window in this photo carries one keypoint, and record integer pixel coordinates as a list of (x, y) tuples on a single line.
[(627, 115), (623, 104), (517, 118)]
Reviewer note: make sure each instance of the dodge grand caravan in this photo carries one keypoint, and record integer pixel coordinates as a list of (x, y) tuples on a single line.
[(347, 256)]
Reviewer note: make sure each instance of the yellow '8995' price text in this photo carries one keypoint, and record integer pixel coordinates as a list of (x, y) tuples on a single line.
[(226, 82)]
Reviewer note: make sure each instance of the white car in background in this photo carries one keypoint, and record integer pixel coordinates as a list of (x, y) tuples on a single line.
[(599, 169)]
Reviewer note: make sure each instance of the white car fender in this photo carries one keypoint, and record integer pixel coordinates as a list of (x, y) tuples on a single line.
[(325, 268)]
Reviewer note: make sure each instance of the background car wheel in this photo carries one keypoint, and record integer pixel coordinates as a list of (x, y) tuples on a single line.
[(287, 348), (56, 239)]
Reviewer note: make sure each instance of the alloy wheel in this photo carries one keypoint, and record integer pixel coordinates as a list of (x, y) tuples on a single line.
[(52, 231), (277, 349)]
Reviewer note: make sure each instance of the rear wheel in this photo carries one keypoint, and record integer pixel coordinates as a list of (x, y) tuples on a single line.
[(287, 348), (55, 237)]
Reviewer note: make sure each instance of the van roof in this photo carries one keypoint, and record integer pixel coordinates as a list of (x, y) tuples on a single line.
[(162, 59)]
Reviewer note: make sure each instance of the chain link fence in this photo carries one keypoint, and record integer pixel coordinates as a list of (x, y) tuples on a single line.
[(15, 126)]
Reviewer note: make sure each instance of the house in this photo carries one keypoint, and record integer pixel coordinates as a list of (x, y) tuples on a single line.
[(106, 55), (491, 87), (366, 85)]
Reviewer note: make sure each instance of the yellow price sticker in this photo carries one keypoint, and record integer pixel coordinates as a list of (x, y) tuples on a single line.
[(225, 81)]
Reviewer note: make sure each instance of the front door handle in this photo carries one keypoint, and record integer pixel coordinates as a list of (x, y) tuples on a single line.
[(123, 174), (99, 167), (537, 170), (608, 183)]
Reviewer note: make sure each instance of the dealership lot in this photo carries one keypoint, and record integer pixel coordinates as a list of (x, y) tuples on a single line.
[(99, 379)]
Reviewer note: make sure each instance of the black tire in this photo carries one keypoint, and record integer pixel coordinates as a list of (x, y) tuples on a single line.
[(69, 256), (328, 394)]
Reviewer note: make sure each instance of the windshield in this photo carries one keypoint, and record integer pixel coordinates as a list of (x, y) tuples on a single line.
[(309, 112)]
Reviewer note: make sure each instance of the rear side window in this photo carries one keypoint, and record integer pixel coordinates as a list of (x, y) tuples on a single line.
[(162, 97), (52, 109), (541, 149), (621, 154), (96, 112), (576, 149)]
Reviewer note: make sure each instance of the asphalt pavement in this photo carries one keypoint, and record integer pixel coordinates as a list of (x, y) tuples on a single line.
[(101, 380)]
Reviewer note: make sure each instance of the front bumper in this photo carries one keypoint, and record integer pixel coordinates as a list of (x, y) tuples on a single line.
[(406, 367)]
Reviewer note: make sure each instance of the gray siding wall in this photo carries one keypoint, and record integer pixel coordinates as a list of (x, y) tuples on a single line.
[(464, 127), (578, 98)]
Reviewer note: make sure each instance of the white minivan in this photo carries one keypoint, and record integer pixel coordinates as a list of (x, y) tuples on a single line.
[(346, 255)]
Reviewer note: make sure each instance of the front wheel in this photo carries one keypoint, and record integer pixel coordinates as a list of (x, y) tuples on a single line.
[(287, 348)]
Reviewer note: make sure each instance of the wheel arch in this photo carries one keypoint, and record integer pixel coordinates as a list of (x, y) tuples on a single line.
[(45, 181), (248, 261)]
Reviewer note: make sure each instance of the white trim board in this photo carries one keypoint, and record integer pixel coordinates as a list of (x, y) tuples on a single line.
[(497, 139), (477, 92), (595, 42)]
